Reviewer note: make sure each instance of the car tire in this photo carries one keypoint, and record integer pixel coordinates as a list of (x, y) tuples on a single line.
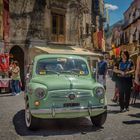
[(99, 120), (32, 123)]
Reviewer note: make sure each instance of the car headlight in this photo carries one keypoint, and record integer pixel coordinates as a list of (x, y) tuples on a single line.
[(40, 93), (100, 92)]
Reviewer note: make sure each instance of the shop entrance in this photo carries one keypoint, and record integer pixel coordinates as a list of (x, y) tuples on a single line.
[(18, 54)]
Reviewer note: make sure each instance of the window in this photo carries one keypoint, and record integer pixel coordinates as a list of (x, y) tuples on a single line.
[(48, 66), (87, 28), (54, 24), (61, 25), (58, 27)]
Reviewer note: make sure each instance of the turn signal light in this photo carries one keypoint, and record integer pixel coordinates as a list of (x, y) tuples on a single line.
[(37, 103)]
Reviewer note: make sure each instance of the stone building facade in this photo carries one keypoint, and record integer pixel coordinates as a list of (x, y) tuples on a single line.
[(126, 36), (45, 22), (59, 21), (98, 20), (131, 27)]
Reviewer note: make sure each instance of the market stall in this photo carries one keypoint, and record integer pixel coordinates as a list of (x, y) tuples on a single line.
[(4, 76)]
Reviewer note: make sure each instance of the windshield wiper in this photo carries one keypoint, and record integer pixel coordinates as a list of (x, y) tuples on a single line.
[(52, 71)]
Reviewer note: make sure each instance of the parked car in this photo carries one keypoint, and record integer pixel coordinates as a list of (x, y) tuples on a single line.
[(62, 86)]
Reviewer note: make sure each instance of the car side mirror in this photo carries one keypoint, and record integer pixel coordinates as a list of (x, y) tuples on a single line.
[(28, 76), (94, 74)]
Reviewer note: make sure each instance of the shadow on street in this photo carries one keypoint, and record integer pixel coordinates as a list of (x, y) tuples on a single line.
[(114, 105), (5, 94), (113, 111), (137, 115), (136, 105), (132, 122), (54, 127)]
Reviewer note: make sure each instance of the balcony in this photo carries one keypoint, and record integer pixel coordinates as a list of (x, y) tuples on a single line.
[(136, 14), (126, 24), (133, 18)]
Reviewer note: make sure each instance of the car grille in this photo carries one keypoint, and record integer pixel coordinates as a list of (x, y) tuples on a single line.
[(65, 94)]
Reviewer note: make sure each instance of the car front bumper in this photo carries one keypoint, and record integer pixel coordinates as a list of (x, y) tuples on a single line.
[(68, 112)]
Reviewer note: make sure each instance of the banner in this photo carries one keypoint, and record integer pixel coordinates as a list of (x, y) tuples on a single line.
[(100, 37), (4, 62), (95, 40), (117, 51), (4, 83)]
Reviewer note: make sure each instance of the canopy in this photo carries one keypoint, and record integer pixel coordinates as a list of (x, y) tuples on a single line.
[(36, 50), (66, 50)]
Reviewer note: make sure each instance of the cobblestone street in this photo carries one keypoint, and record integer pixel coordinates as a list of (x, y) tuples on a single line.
[(119, 126)]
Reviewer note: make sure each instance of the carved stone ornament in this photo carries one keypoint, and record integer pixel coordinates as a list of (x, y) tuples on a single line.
[(58, 4)]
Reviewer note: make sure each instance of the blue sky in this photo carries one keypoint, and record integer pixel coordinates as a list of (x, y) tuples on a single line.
[(118, 8)]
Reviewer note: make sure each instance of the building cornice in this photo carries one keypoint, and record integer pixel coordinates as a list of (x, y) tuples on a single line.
[(134, 21)]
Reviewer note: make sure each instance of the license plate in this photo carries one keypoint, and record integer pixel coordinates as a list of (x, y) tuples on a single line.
[(71, 104)]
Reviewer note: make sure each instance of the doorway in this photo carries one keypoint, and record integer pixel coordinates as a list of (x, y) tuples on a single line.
[(18, 54)]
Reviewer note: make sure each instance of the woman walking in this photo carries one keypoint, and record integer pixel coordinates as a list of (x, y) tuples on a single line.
[(115, 78), (124, 71)]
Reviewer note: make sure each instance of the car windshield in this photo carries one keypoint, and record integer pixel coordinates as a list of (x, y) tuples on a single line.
[(61, 65)]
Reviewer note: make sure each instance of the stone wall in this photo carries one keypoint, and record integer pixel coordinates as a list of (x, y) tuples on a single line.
[(26, 19), (31, 19), (31, 22)]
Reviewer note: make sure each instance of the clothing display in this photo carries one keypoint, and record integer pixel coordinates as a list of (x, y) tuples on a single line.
[(4, 62)]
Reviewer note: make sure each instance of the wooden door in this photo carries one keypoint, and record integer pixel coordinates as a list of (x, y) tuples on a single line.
[(58, 28)]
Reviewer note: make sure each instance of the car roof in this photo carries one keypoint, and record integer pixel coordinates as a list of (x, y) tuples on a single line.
[(42, 56)]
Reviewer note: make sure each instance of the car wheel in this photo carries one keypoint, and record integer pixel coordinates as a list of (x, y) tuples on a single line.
[(31, 122), (99, 120)]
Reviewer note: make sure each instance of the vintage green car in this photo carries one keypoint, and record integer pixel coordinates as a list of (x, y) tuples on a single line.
[(62, 86)]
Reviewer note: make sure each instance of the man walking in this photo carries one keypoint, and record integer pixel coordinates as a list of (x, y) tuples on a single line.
[(102, 71)]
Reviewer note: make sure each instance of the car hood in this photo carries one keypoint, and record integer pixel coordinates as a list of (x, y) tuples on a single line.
[(61, 82)]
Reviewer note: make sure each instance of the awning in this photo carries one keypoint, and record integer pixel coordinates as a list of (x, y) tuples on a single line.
[(66, 50), (36, 50)]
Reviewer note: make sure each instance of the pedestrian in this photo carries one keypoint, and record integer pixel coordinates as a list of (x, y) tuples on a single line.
[(10, 68), (102, 71), (15, 78), (115, 78), (136, 88), (10, 74), (137, 72), (125, 72)]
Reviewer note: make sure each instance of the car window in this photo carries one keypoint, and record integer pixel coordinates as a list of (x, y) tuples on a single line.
[(61, 65)]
